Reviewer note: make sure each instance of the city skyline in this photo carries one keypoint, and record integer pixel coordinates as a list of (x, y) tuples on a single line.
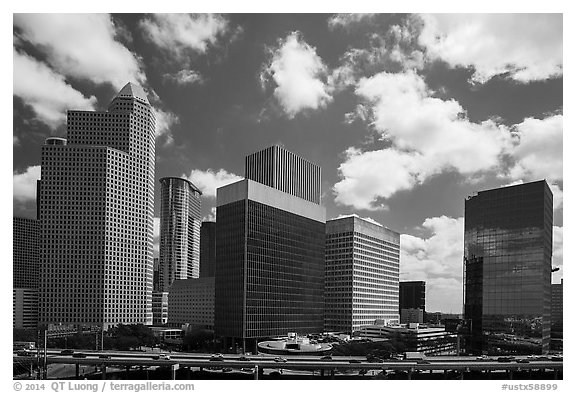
[(354, 85)]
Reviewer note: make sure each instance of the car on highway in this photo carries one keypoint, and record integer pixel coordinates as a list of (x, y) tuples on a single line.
[(280, 360), (354, 361), (104, 356), (67, 352), (505, 359), (243, 359), (79, 355), (217, 358), (483, 358), (226, 369)]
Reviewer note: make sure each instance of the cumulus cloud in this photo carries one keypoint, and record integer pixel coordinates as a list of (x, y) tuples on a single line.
[(209, 180), (165, 120), (346, 20), (184, 77), (211, 216), (25, 184), (46, 91), (395, 50), (182, 34), (299, 75), (369, 219), (436, 260), (538, 150), (81, 46), (527, 46), (427, 136)]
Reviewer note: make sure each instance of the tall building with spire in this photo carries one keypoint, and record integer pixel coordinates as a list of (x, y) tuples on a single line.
[(180, 222), (96, 211), (269, 275)]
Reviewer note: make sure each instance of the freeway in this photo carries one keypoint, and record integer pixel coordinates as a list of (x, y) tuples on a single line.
[(292, 362)]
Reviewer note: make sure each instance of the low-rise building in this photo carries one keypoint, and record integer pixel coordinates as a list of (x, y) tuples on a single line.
[(411, 315), (24, 308), (430, 340)]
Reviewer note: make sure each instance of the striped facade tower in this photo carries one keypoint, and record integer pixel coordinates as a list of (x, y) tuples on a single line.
[(180, 222)]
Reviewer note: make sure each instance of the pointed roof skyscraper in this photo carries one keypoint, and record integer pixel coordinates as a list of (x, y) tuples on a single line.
[(132, 90)]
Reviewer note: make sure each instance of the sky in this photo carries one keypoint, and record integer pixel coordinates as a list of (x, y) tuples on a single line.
[(406, 114)]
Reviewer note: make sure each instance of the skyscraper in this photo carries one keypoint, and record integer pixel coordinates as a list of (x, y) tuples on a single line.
[(207, 249), (96, 211), (362, 271), (270, 254), (283, 170), (26, 262), (507, 268), (412, 301), (179, 231)]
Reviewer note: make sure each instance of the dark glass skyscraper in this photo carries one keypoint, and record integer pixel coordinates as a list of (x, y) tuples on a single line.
[(507, 268), (413, 294), (269, 276), (207, 248)]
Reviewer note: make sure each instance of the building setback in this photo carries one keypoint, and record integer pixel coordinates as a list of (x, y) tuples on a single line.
[(362, 270), (179, 231), (207, 248), (507, 269), (96, 210), (191, 302), (269, 274)]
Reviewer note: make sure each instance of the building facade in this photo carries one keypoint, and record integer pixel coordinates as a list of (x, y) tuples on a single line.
[(557, 307), (362, 272), (159, 308), (26, 265), (507, 269), (207, 248), (179, 231), (269, 258), (414, 337), (413, 294), (283, 170), (96, 211), (191, 302), (26, 253)]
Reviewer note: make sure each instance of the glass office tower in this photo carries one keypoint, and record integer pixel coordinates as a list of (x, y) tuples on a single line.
[(180, 221), (269, 275), (507, 268)]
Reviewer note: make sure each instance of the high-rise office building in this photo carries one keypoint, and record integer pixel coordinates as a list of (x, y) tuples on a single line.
[(26, 264), (556, 307), (412, 301), (413, 294), (159, 308), (26, 252), (507, 268), (207, 249), (362, 271), (283, 170), (179, 231), (96, 212), (269, 274), (191, 302)]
